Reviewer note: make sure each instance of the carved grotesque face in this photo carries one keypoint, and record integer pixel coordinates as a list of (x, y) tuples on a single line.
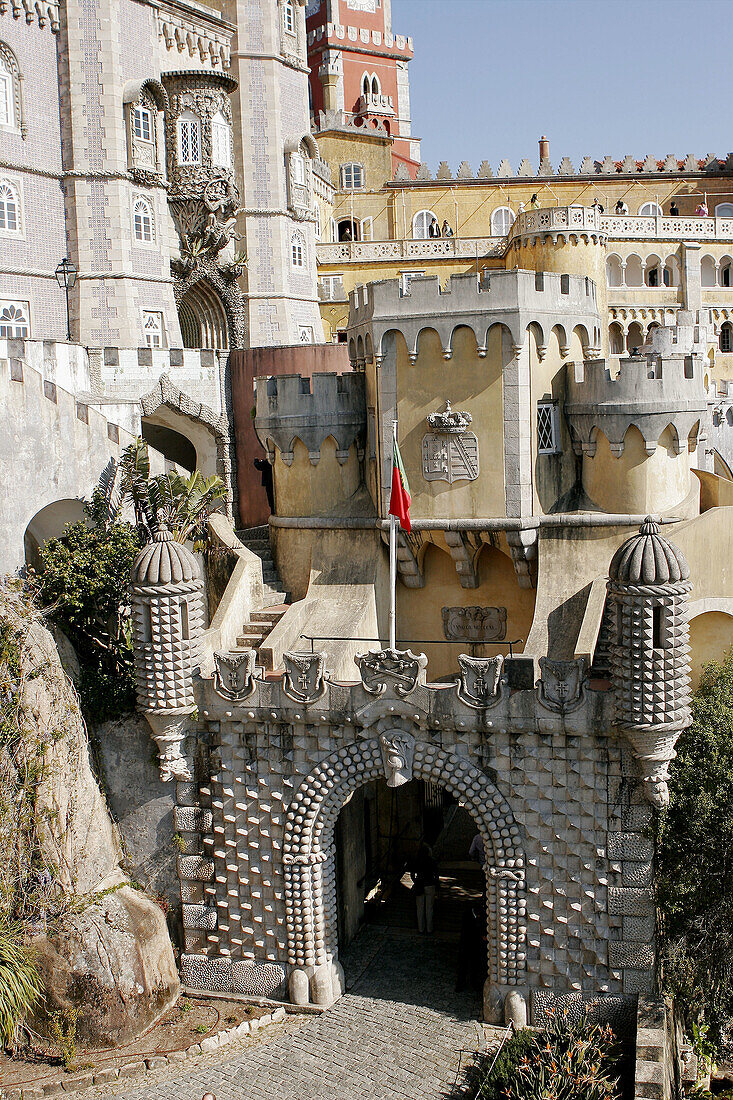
[(657, 792), (397, 753)]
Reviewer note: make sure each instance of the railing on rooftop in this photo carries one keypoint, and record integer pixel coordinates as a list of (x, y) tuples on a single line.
[(629, 226), (465, 248)]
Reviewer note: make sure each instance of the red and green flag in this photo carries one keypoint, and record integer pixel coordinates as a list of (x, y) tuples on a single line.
[(400, 500)]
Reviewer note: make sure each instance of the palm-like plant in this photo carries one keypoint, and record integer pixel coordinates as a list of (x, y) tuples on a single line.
[(20, 983)]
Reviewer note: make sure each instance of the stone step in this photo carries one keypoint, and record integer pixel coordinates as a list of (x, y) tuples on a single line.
[(270, 615), (251, 639), (260, 547), (262, 532)]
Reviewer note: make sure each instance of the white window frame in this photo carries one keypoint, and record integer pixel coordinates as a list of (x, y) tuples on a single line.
[(420, 229), (650, 210), (728, 206), (221, 142), (406, 278), (507, 214), (298, 258), (143, 202), (367, 229), (726, 330), (7, 97), (300, 175), (548, 417), (153, 325), (328, 285), (13, 184), (139, 115), (15, 304), (289, 24), (348, 176), (191, 122)]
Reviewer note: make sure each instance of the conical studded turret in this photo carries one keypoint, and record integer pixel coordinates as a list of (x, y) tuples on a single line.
[(168, 619), (648, 588)]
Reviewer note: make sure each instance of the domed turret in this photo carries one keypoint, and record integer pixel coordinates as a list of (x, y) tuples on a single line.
[(168, 617), (648, 587)]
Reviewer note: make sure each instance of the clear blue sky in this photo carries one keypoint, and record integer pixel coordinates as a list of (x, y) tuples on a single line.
[(618, 76)]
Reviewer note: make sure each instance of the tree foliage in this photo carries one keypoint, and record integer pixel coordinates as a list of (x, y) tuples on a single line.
[(20, 982), (695, 859)]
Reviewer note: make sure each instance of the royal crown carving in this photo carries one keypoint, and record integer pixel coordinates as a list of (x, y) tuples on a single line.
[(449, 422), (304, 676), (393, 668), (480, 682), (234, 674)]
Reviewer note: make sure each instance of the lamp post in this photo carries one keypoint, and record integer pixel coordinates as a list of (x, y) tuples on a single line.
[(66, 274)]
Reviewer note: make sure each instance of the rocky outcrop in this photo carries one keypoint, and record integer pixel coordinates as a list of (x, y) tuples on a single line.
[(107, 950)]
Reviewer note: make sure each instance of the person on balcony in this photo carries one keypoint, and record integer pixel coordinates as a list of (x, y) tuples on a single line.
[(701, 210), (674, 209), (434, 228), (446, 231), (534, 202), (621, 207)]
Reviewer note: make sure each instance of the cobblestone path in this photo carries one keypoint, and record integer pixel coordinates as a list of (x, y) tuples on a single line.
[(396, 1035)]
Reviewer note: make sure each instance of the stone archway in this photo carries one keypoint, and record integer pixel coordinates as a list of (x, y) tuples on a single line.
[(310, 864)]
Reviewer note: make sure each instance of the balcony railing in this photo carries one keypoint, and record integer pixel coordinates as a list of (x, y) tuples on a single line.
[(464, 248), (631, 227)]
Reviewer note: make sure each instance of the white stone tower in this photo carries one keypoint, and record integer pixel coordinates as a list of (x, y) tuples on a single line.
[(650, 654), (168, 619)]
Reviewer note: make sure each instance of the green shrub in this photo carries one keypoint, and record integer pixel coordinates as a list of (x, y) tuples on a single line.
[(63, 1030), (20, 983)]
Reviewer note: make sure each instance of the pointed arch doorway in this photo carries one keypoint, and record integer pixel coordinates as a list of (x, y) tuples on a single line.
[(310, 858), (203, 318)]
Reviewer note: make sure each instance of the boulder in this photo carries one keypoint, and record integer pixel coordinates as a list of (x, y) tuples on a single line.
[(113, 961)]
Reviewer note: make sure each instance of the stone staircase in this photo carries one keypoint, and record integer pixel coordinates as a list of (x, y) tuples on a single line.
[(275, 598)]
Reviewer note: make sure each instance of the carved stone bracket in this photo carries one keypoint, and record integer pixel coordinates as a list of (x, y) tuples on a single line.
[(523, 548), (464, 549), (234, 674), (304, 676), (399, 669), (561, 687), (408, 568), (481, 683)]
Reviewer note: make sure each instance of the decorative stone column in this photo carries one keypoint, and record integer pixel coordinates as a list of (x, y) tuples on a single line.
[(168, 619), (650, 654)]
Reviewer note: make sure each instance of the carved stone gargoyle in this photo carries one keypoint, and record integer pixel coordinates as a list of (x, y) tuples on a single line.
[(398, 751), (395, 668), (304, 676), (234, 674)]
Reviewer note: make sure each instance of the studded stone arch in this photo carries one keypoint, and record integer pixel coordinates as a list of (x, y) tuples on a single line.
[(310, 853)]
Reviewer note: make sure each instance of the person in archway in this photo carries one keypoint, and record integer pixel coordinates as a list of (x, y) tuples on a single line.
[(424, 870), (265, 470)]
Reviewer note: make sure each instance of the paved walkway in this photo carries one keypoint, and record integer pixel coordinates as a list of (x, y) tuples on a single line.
[(396, 1035)]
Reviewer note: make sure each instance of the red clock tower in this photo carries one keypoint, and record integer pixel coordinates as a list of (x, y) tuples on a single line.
[(358, 72)]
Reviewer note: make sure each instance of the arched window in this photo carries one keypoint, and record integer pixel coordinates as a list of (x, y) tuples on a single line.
[(652, 271), (143, 221), (153, 328), (650, 209), (421, 224), (9, 208), (221, 141), (502, 219), (726, 338), (289, 17), (614, 271), (352, 176), (672, 271), (189, 139), (725, 272), (7, 108), (366, 85), (297, 249), (724, 210), (708, 273), (376, 90)]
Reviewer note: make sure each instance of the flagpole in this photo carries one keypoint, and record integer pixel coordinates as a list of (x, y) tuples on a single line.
[(393, 563)]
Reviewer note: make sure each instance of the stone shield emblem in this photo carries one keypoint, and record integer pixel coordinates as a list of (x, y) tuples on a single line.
[(304, 676), (234, 674), (479, 685)]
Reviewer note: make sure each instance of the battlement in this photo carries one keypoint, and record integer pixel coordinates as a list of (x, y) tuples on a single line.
[(512, 298), (649, 391), (292, 407), (606, 167)]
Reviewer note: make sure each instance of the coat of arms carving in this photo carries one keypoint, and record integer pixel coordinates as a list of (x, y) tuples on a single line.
[(395, 668), (450, 457), (480, 683), (561, 684), (304, 676), (474, 624), (234, 674)]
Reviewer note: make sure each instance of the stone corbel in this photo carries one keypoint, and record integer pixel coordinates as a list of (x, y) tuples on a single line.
[(410, 572), (463, 553), (523, 548)]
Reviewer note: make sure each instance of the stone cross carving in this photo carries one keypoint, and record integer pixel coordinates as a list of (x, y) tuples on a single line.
[(304, 676), (234, 674), (480, 680), (398, 750), (474, 624), (561, 684), (393, 668)]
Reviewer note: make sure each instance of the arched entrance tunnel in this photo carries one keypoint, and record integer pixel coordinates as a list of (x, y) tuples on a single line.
[(315, 845), (408, 862)]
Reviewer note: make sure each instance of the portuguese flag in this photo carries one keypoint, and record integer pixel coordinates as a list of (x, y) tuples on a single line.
[(400, 500)]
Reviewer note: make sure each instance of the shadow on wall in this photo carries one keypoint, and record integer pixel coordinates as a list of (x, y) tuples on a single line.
[(47, 524)]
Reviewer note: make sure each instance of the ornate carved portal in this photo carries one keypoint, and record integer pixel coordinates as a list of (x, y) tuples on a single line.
[(310, 857)]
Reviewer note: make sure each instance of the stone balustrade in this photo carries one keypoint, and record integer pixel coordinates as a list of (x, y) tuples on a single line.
[(630, 227), (433, 249)]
